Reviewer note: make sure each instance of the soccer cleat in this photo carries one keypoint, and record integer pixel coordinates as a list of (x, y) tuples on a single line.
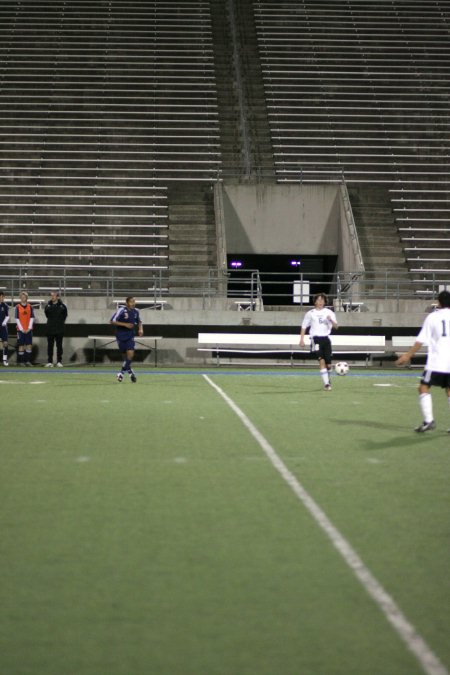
[(327, 387), (119, 377), (49, 365), (425, 426), (133, 377), (59, 364), (6, 364)]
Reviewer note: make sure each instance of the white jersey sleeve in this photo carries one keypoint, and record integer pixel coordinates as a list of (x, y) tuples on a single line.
[(307, 320)]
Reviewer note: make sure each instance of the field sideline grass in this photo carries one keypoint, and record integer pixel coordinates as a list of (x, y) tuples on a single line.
[(144, 531)]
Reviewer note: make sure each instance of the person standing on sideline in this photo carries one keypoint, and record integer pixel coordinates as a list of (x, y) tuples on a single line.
[(320, 322), (435, 334), (4, 318), (125, 319), (56, 313), (25, 322)]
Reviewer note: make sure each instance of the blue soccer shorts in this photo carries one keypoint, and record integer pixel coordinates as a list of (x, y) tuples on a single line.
[(24, 338), (125, 345)]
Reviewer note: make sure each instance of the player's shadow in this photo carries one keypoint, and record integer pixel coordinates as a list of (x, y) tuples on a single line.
[(399, 442), (367, 424), (86, 383), (408, 440), (292, 392)]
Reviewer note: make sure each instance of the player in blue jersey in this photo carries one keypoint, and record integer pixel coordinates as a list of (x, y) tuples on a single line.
[(4, 318), (125, 319)]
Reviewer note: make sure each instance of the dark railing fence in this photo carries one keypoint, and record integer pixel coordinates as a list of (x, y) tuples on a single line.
[(260, 288)]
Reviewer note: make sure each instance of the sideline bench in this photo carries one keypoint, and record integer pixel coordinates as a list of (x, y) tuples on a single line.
[(107, 340), (401, 344), (403, 341), (273, 343), (143, 303)]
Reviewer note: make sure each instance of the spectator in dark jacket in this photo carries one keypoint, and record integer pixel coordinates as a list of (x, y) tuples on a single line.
[(56, 313)]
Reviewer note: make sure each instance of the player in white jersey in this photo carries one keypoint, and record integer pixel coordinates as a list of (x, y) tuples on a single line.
[(435, 334), (320, 322)]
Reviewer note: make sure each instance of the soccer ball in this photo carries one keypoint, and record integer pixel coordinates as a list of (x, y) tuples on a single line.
[(341, 368)]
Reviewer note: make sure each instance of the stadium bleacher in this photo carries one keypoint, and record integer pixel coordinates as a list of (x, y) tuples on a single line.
[(101, 106), (362, 89), (109, 109)]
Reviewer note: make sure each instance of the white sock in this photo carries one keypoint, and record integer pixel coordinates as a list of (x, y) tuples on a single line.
[(324, 375), (426, 406)]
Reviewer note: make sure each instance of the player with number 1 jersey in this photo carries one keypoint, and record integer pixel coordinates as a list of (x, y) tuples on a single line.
[(435, 334)]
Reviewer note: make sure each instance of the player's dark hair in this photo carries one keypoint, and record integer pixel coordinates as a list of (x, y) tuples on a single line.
[(130, 297), (444, 298), (320, 295)]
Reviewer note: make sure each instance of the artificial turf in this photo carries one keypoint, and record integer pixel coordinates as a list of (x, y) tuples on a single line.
[(145, 532)]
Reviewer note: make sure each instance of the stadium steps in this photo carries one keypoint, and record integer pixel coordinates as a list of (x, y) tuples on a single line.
[(380, 244), (246, 141), (192, 235), (379, 241)]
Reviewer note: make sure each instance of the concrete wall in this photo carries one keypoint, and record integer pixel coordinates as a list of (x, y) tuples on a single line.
[(282, 219), (180, 351)]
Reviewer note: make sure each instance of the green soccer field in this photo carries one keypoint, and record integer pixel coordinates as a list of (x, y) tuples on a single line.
[(146, 532)]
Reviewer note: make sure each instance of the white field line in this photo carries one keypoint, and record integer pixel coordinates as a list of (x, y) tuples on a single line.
[(415, 643)]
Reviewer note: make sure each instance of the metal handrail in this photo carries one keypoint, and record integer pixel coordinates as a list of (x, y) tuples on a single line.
[(264, 287)]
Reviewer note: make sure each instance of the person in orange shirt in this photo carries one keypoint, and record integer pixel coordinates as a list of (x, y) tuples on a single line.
[(25, 322)]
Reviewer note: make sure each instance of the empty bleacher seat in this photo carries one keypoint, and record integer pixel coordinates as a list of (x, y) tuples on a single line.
[(360, 90), (101, 107)]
